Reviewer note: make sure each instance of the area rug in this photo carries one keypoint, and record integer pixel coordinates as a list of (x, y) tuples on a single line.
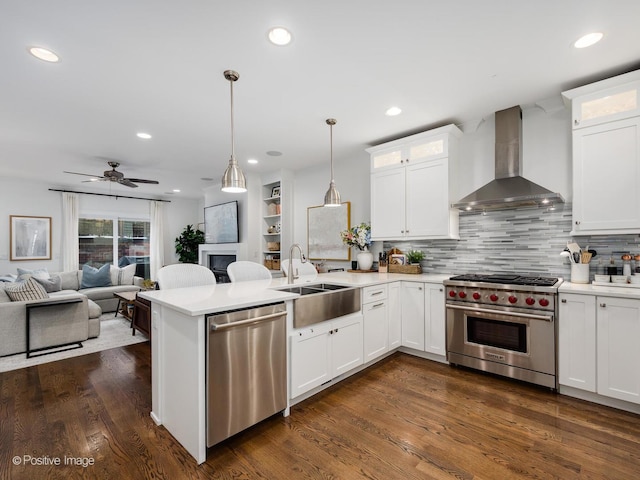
[(114, 332)]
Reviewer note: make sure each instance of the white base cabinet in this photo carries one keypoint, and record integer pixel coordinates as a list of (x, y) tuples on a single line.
[(598, 339), (394, 314), (577, 341), (618, 334), (434, 320), (324, 351), (376, 323), (423, 317), (413, 315)]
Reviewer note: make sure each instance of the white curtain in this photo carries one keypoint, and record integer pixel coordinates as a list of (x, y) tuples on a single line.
[(70, 247), (156, 247)]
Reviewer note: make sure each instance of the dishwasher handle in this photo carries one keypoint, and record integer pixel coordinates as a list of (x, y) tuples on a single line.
[(217, 326)]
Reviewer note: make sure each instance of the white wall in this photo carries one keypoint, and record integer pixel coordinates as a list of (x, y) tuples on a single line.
[(20, 197)]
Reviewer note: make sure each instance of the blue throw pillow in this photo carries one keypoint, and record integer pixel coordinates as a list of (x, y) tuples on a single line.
[(96, 277)]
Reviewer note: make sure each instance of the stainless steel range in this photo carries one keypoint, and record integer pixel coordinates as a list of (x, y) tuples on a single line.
[(504, 324)]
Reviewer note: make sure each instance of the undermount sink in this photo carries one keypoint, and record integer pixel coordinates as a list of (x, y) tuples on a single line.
[(322, 301)]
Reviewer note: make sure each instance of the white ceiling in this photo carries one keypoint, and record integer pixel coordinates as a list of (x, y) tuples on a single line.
[(157, 66)]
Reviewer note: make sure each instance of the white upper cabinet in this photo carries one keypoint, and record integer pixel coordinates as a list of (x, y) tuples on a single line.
[(606, 156), (606, 105), (412, 182)]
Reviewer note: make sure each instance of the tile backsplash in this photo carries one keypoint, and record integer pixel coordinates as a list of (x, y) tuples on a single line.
[(524, 241)]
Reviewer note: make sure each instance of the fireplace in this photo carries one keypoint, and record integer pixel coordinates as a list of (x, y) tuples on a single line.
[(218, 265), (218, 256)]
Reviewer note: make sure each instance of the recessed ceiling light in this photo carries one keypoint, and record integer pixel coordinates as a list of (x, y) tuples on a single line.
[(44, 54), (588, 40), (176, 190), (393, 111), (274, 153), (252, 161), (144, 136), (279, 36)]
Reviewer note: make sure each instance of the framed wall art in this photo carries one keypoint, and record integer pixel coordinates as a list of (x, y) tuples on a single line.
[(30, 238), (324, 225)]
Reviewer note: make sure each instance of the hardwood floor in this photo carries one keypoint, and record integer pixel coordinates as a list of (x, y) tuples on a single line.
[(405, 418)]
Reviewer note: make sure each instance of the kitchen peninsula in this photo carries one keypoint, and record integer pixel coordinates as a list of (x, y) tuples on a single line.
[(179, 342)]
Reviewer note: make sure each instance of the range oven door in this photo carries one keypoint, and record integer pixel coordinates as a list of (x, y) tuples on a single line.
[(516, 344)]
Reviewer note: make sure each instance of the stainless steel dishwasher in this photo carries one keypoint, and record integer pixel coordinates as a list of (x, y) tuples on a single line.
[(246, 369)]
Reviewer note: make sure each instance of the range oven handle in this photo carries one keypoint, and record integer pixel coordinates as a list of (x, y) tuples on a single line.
[(548, 318)]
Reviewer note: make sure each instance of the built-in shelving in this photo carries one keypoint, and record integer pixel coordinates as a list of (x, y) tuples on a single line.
[(271, 226)]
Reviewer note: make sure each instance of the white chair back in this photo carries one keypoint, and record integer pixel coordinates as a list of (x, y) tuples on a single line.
[(299, 268), (244, 271), (184, 275)]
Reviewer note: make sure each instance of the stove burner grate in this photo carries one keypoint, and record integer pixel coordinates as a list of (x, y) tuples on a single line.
[(509, 279)]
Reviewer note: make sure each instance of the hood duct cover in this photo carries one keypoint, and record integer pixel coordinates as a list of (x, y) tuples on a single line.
[(509, 189)]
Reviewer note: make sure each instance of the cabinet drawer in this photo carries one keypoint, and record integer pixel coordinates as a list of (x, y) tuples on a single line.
[(374, 293)]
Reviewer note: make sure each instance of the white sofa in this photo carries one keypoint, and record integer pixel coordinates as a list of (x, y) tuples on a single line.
[(58, 324)]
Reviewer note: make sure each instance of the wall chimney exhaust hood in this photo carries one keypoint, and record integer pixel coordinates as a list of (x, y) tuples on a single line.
[(509, 189)]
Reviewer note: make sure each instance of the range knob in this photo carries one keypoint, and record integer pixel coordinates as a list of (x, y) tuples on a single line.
[(530, 301), (513, 299), (452, 294), (493, 297), (544, 302), (476, 296), (462, 294)]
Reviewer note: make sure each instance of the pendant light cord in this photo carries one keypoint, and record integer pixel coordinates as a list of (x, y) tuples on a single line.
[(331, 150), (233, 142)]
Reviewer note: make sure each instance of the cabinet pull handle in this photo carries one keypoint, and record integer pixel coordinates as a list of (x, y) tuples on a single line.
[(603, 305), (440, 290), (419, 288), (377, 293), (564, 300), (336, 330), (576, 122), (577, 222), (377, 305)]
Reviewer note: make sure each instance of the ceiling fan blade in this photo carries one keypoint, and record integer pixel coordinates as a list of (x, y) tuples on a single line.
[(141, 180), (127, 182), (97, 179), (85, 174)]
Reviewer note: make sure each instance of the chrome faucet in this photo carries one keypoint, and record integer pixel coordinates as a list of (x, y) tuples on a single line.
[(303, 259)]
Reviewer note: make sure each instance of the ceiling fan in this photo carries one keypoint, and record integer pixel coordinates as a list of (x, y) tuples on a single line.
[(114, 176)]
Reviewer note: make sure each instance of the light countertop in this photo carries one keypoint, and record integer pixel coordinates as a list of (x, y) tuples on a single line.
[(195, 301), (608, 290)]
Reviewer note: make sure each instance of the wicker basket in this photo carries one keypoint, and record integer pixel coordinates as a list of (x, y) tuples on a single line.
[(394, 268), (275, 264), (273, 246)]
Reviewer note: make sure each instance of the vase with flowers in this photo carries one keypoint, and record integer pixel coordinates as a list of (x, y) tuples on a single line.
[(359, 236)]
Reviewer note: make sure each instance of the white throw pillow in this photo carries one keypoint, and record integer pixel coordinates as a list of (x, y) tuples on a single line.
[(124, 275)]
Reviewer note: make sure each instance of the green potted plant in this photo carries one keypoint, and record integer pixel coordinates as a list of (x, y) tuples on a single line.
[(187, 244), (415, 256)]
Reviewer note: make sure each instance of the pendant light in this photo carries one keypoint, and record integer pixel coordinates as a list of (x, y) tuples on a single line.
[(332, 197), (233, 180)]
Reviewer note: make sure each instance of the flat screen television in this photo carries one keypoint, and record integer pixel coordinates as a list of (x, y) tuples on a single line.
[(221, 223)]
